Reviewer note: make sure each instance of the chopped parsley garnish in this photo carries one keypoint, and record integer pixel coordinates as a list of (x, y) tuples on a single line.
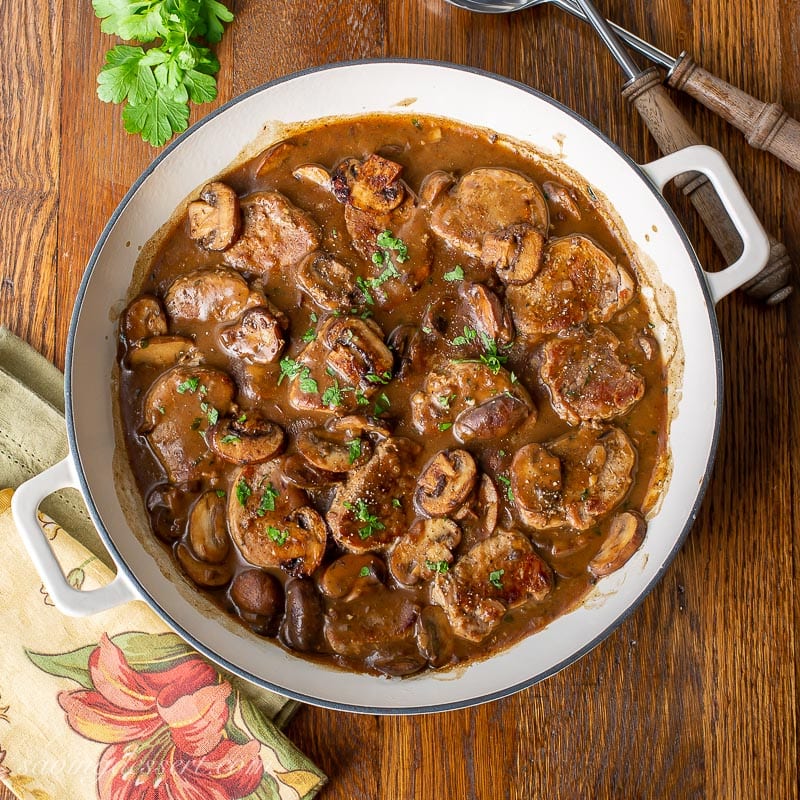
[(383, 378), (309, 335), (362, 399), (243, 492), (445, 426), (268, 497), (416, 123), (364, 285), (313, 316), (446, 399), (230, 438), (210, 412), (243, 418), (507, 483), (361, 512), (470, 334), (437, 566), (427, 329), (189, 385), (278, 536), (354, 450), (495, 578), (162, 410), (221, 493), (396, 502), (292, 369), (390, 244), (455, 274), (382, 404), (363, 572), (333, 396)]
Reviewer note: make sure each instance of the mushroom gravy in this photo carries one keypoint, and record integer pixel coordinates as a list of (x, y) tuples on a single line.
[(391, 394)]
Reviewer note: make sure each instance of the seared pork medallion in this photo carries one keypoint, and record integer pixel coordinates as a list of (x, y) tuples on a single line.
[(392, 395)]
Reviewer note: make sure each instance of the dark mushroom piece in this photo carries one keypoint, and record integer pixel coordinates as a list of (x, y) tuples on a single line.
[(167, 505), (215, 219), (304, 616), (560, 198), (489, 315), (246, 439), (208, 528), (446, 482), (424, 551), (372, 185), (357, 351), (515, 253), (299, 473), (257, 337), (313, 173), (209, 576), (333, 451), (434, 636), (493, 419), (142, 319), (330, 284), (258, 599), (160, 352), (355, 425), (625, 536), (350, 575)]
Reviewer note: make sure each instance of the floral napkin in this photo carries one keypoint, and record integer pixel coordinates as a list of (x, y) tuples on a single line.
[(115, 706)]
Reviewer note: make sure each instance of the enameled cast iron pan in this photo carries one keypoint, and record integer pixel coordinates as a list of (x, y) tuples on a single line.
[(683, 292)]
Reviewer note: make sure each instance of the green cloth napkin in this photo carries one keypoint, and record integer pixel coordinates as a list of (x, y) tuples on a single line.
[(88, 705)]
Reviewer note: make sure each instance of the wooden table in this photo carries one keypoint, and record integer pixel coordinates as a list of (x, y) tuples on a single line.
[(696, 694)]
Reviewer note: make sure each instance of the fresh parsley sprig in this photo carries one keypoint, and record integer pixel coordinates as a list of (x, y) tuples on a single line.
[(157, 83)]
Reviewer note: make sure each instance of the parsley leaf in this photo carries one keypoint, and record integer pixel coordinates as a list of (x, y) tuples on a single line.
[(470, 334), (455, 274), (292, 369), (156, 84), (445, 426), (243, 492), (507, 483), (189, 385), (363, 572), (354, 450), (495, 578), (268, 498), (361, 512), (278, 536), (437, 566)]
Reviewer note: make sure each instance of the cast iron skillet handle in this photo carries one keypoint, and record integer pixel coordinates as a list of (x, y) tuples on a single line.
[(24, 505), (755, 249)]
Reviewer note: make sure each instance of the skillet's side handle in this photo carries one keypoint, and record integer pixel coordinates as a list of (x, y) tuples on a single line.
[(756, 246), (24, 505)]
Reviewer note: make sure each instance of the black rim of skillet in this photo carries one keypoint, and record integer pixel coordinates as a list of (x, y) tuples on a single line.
[(222, 660)]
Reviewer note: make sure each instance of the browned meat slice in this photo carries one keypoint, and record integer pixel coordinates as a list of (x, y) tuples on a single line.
[(178, 410), (347, 363), (497, 574), (275, 235), (425, 550), (330, 284), (472, 400), (372, 185), (370, 511), (586, 379), (142, 319), (578, 282), (515, 253), (257, 337), (272, 524), (482, 202), (215, 219), (209, 294), (573, 480)]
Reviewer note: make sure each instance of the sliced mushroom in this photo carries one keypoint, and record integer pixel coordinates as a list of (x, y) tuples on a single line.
[(160, 352), (625, 536), (425, 550), (331, 451), (215, 219), (210, 294), (330, 284), (566, 208), (373, 185), (313, 173), (397, 661), (256, 338), (209, 576), (208, 528), (354, 425), (350, 575), (489, 315), (246, 439), (515, 253), (271, 524), (143, 318), (434, 636), (493, 419), (357, 351), (407, 344), (166, 505), (302, 626), (298, 472), (446, 482)]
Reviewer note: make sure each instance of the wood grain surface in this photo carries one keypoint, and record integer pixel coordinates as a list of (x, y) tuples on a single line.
[(696, 694)]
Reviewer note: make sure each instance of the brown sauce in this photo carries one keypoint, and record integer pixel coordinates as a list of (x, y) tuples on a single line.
[(351, 631)]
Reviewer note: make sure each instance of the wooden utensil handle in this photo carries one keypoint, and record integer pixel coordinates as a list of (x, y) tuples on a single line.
[(765, 125), (672, 132)]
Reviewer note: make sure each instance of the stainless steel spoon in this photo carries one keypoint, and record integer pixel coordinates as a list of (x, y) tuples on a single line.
[(765, 125)]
